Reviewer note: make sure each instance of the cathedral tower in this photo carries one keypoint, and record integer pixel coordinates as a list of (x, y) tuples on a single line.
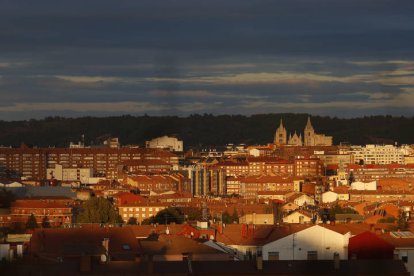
[(280, 135), (309, 134)]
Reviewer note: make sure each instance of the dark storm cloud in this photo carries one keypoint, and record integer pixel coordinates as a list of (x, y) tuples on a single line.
[(183, 57)]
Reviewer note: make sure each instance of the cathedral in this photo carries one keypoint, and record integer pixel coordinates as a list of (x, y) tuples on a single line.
[(310, 138)]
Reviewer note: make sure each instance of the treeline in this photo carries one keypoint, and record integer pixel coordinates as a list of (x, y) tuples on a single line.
[(202, 130)]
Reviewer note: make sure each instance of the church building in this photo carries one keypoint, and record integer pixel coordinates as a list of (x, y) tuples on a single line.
[(310, 138)]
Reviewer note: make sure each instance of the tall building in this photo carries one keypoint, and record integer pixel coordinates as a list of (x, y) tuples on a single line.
[(295, 140), (313, 139), (280, 135), (310, 138)]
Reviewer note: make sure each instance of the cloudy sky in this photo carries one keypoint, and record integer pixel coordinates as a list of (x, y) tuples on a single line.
[(77, 58)]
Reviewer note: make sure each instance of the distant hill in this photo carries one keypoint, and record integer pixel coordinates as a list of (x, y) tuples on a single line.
[(202, 130)]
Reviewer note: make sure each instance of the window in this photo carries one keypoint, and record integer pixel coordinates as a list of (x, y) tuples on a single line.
[(312, 255), (273, 256)]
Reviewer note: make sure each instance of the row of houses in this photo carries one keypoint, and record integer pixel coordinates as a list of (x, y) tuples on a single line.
[(225, 243)]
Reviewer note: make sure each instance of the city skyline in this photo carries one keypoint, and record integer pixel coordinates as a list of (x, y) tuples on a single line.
[(179, 58)]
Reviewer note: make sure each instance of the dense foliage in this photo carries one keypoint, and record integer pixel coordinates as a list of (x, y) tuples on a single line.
[(6, 198), (132, 221), (202, 130), (31, 222), (166, 216), (45, 222), (98, 210)]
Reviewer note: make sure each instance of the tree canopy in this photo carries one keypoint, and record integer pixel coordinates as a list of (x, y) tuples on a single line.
[(203, 130), (98, 210), (166, 216), (31, 222), (46, 222), (6, 198), (132, 221)]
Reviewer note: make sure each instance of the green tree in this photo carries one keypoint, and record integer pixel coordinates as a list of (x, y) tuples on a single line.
[(226, 218), (387, 220), (402, 222), (6, 198), (336, 209), (194, 214), (235, 216), (168, 215), (132, 221), (46, 222), (98, 210), (351, 178), (31, 222), (148, 221)]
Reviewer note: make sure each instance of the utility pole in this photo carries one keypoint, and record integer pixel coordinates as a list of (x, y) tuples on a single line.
[(293, 246)]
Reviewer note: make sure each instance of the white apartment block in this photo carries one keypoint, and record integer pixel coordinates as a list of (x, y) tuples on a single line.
[(70, 174), (165, 142), (378, 154)]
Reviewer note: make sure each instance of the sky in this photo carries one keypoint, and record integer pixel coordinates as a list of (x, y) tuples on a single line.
[(105, 58)]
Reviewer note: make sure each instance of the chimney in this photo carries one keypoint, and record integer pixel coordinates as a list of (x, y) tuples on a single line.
[(337, 261), (259, 262)]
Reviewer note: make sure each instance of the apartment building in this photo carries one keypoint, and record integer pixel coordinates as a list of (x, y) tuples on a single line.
[(32, 163), (57, 210), (154, 183), (140, 211), (367, 173), (377, 154), (207, 180), (308, 166), (251, 185)]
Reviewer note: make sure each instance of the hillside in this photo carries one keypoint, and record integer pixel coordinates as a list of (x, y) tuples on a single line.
[(202, 130)]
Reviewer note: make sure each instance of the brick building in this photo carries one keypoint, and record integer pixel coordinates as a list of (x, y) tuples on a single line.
[(140, 211), (374, 172), (251, 185), (32, 163), (154, 183), (58, 211)]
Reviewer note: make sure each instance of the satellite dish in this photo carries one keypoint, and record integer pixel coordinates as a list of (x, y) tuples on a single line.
[(103, 258)]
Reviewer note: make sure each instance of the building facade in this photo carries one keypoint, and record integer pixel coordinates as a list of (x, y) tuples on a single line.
[(32, 163), (310, 137), (165, 142), (377, 154)]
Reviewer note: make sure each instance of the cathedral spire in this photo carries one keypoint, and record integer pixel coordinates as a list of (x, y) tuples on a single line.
[(281, 124), (309, 124)]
